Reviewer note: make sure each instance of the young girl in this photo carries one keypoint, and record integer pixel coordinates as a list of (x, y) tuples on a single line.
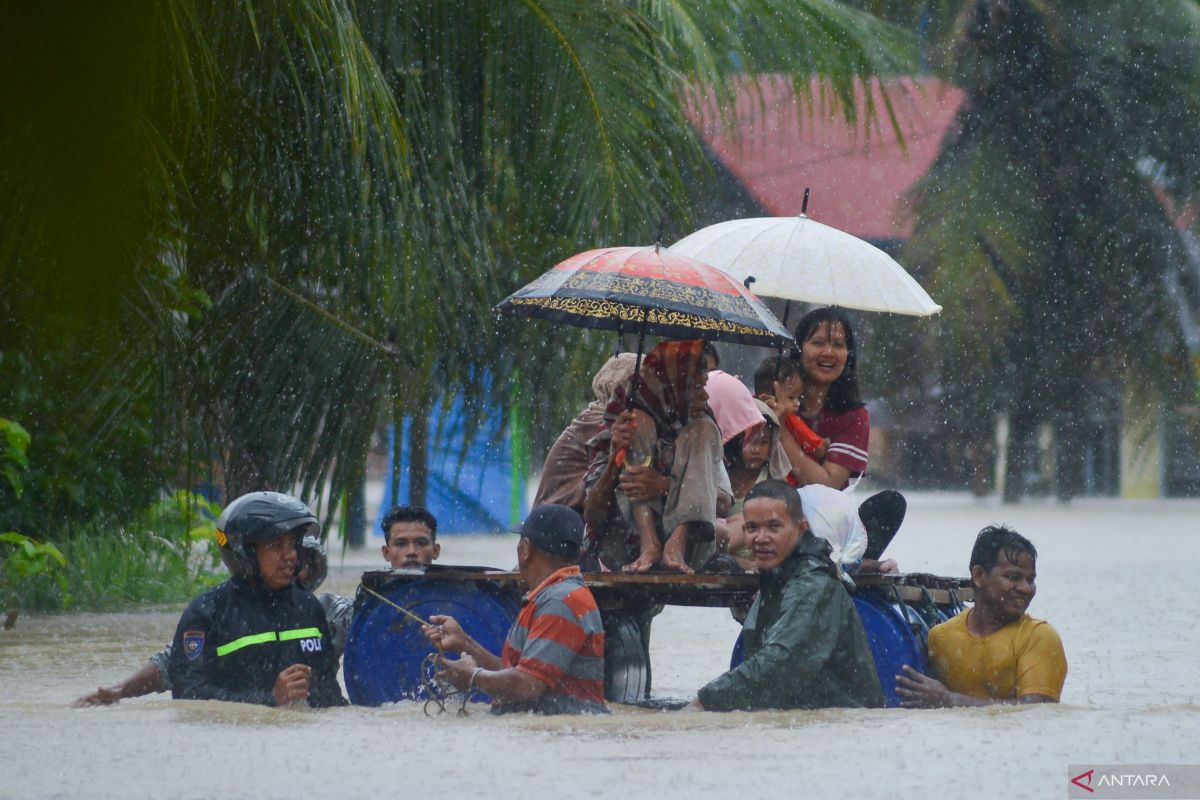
[(749, 436), (750, 457)]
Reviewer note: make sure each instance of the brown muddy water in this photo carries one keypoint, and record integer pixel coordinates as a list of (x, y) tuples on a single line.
[(1116, 578)]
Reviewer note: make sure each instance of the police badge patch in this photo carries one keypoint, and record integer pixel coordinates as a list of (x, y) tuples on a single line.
[(193, 644)]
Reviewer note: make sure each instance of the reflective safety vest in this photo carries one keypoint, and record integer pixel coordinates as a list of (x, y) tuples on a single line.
[(233, 641), (275, 636)]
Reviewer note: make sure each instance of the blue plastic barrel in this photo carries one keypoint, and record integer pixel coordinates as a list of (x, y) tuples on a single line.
[(932, 615), (893, 642), (892, 639), (385, 649)]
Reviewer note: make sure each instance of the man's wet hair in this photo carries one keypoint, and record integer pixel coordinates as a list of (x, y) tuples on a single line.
[(711, 351), (776, 368), (775, 489), (408, 514), (999, 540)]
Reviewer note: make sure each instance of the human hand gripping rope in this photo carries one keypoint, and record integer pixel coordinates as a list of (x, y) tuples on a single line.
[(437, 692)]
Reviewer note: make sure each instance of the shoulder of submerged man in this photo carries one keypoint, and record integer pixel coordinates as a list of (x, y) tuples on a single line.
[(1033, 628), (558, 586), (803, 573), (303, 598), (812, 554), (332, 602), (956, 623)]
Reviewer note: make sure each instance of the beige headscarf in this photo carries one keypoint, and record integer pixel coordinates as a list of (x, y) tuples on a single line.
[(614, 373), (567, 461)]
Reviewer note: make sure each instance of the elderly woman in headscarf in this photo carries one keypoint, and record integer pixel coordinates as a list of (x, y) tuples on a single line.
[(655, 478), (567, 462)]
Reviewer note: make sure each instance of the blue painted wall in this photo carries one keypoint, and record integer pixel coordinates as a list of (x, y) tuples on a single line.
[(481, 493)]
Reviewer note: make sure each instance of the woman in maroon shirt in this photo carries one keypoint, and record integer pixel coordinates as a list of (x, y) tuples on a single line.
[(833, 408), (830, 404)]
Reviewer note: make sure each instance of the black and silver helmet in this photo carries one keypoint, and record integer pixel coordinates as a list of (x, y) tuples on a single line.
[(313, 556), (256, 517)]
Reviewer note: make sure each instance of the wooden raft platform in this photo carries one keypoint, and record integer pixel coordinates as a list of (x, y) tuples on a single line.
[(614, 589)]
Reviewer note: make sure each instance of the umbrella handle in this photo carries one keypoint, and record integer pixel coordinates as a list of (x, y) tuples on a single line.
[(637, 379)]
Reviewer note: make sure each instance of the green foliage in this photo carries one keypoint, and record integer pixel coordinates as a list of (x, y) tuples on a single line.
[(166, 554), (28, 562), (354, 186), (1047, 224), (31, 567), (83, 466), (14, 442), (234, 237)]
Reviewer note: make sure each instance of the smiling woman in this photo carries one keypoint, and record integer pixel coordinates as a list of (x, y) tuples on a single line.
[(833, 408), (830, 404)]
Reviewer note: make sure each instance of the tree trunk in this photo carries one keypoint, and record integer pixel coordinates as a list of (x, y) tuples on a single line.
[(418, 457), (1069, 444), (356, 511), (1020, 446), (242, 474), (981, 458)]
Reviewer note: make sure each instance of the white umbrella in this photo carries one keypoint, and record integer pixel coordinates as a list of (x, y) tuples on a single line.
[(796, 258)]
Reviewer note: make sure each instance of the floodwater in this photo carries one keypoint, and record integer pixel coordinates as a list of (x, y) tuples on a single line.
[(1115, 578)]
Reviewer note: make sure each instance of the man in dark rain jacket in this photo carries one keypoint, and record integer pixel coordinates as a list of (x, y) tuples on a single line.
[(258, 637), (804, 643)]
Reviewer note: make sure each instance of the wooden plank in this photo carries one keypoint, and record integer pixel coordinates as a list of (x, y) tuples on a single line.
[(616, 589), (914, 595)]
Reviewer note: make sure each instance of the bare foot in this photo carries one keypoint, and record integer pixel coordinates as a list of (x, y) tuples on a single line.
[(647, 561), (647, 525), (672, 557)]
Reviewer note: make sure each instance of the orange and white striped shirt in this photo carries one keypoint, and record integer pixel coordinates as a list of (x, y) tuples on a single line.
[(558, 638)]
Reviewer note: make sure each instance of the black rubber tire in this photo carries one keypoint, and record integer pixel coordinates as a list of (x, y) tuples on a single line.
[(626, 666)]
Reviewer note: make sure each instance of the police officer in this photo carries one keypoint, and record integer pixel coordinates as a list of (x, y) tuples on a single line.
[(155, 676), (258, 637)]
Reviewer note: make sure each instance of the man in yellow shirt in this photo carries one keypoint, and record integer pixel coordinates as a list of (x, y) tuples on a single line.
[(993, 652)]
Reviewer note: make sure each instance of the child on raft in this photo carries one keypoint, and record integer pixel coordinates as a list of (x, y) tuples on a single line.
[(779, 383), (658, 466)]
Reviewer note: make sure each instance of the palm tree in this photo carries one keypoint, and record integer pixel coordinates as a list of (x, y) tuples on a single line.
[(142, 145), (1046, 222), (332, 196)]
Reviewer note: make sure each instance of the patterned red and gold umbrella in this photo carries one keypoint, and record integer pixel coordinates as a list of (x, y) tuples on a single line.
[(648, 290)]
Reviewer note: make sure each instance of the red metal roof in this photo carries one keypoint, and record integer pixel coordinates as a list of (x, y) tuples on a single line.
[(858, 177)]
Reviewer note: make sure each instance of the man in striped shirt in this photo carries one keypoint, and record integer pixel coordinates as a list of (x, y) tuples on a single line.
[(553, 659)]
